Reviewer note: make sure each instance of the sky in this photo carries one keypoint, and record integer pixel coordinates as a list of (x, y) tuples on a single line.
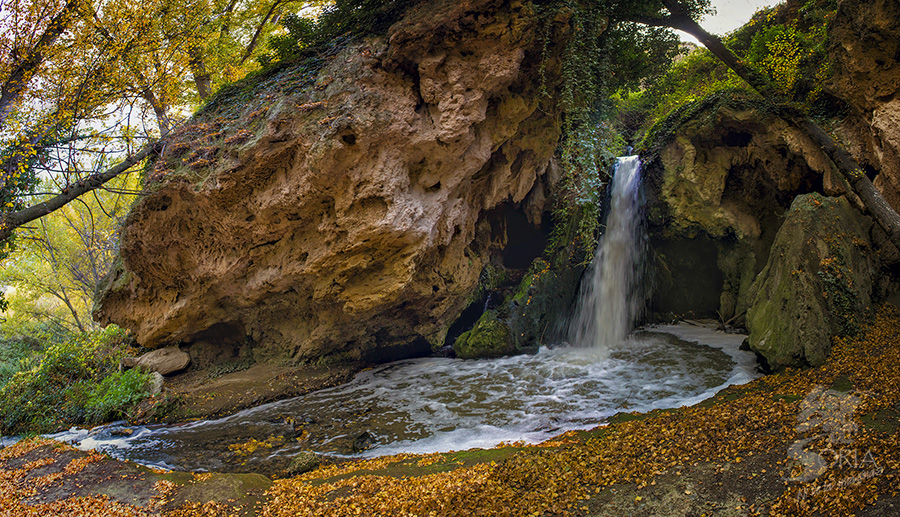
[(730, 14)]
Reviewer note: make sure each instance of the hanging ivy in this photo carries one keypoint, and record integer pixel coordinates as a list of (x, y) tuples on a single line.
[(605, 54)]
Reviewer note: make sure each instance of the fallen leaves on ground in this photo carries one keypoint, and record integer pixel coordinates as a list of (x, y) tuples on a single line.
[(563, 476)]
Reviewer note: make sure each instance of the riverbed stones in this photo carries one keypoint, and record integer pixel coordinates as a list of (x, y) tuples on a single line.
[(164, 361), (302, 463), (363, 442)]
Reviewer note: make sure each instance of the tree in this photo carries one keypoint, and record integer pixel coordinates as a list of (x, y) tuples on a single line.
[(59, 260), (88, 87)]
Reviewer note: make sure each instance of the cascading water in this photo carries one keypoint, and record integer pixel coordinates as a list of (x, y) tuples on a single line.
[(440, 404), (610, 300)]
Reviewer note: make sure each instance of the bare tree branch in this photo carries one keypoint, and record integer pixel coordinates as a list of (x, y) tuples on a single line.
[(17, 219)]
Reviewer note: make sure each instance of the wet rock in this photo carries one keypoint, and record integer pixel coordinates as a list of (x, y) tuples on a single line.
[(363, 442), (490, 337), (163, 361), (816, 284), (302, 463), (715, 190)]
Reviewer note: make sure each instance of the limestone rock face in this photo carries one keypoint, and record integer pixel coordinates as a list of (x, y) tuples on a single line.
[(865, 56), (716, 194), (348, 213), (817, 282), (721, 172)]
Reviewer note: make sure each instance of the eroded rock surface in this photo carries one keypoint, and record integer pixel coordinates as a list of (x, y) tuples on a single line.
[(737, 236), (717, 195), (817, 282), (865, 56), (351, 219)]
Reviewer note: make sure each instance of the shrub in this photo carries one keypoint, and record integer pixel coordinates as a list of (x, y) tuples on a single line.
[(74, 381)]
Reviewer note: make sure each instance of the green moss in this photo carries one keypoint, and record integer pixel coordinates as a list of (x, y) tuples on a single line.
[(703, 111), (842, 384), (886, 421), (490, 337), (787, 47), (231, 366), (492, 277), (816, 284)]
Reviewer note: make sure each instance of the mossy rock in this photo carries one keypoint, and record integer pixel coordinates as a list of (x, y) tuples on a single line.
[(490, 337), (541, 305), (303, 463), (817, 283)]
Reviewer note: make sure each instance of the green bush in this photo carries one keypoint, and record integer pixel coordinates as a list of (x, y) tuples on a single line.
[(13, 353), (343, 20), (117, 393), (73, 381)]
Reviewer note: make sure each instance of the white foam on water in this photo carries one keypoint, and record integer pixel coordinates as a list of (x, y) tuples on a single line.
[(442, 404)]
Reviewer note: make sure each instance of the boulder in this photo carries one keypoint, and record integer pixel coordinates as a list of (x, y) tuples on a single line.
[(348, 215), (817, 283), (302, 463), (490, 337), (155, 385), (163, 361)]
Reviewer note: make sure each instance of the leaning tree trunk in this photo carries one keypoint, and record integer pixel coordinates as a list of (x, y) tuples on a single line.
[(11, 221), (885, 215)]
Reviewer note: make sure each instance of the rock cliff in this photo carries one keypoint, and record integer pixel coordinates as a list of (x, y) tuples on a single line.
[(737, 234), (737, 237), (718, 191), (865, 55), (347, 214)]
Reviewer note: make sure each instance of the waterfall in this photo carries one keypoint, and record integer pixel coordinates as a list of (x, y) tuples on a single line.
[(610, 300)]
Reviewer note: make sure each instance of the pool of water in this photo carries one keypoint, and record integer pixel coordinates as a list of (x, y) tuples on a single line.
[(442, 404)]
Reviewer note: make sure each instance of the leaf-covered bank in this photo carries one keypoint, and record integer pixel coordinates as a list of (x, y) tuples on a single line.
[(803, 442)]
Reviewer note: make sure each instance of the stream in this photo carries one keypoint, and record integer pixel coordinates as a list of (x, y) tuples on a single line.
[(442, 404)]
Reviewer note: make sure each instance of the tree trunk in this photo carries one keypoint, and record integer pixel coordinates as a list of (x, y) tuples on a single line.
[(202, 79), (18, 77), (94, 181), (885, 215), (159, 109), (255, 40)]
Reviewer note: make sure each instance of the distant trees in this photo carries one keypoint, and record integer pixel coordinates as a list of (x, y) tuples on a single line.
[(88, 86), (59, 260)]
